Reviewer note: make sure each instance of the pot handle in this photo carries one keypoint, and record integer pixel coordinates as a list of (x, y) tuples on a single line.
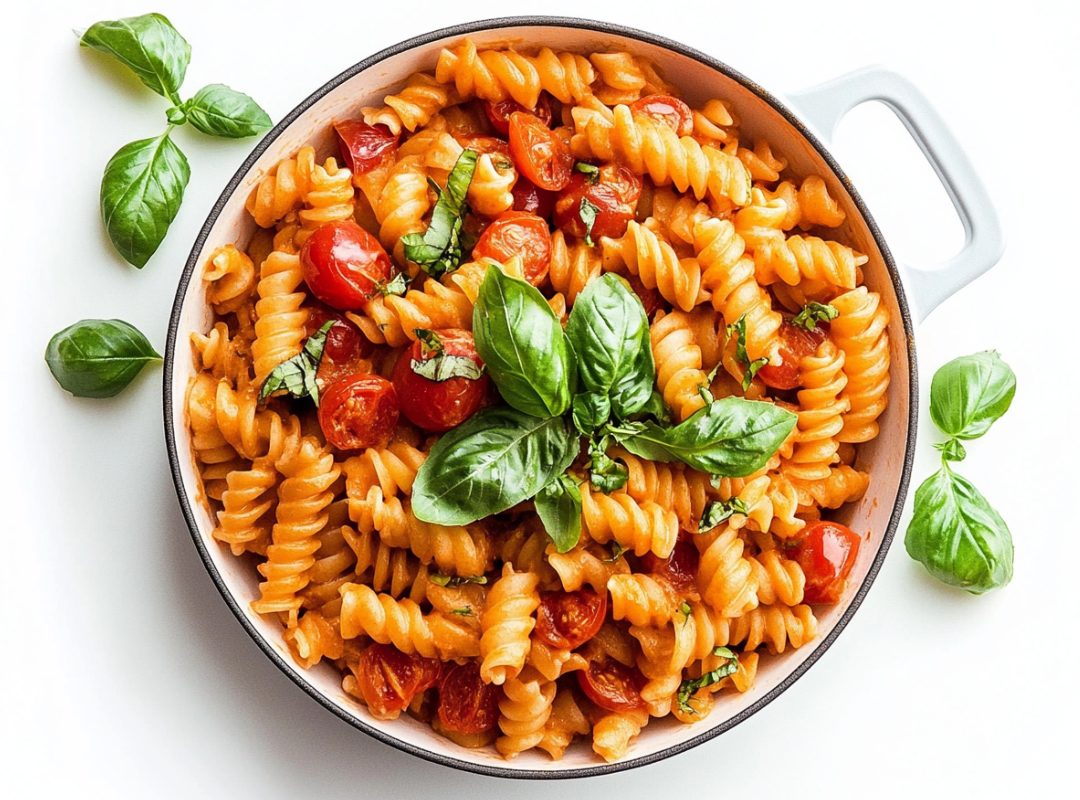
[(984, 241)]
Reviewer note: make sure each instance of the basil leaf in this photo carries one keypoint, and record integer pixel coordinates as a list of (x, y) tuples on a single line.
[(559, 506), (813, 313), (616, 552), (141, 192), (590, 171), (464, 611), (493, 461), (958, 536), (398, 286), (656, 408), (444, 367), (587, 211), (218, 110), (731, 437), (970, 393), (297, 375), (591, 412), (453, 581), (689, 686), (738, 330), (148, 45), (98, 357), (605, 473), (609, 333), (719, 510), (440, 248), (522, 344)]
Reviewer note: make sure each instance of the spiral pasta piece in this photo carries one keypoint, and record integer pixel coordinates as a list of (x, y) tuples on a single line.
[(329, 196), (725, 577), (843, 485), (412, 107), (279, 329), (212, 451), (679, 376), (809, 258), (393, 320), (553, 662), (392, 570), (507, 622), (581, 566), (775, 626), (641, 599), (523, 712), (469, 277), (761, 162), (402, 204), (682, 489), (243, 424), (613, 733), (573, 266), (655, 262), (820, 410), (313, 639), (641, 527), (621, 77), (564, 723), (282, 191), (223, 356), (231, 278), (861, 331), (778, 578), (489, 192)]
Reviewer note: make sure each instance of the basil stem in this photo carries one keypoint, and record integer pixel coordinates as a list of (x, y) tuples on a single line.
[(98, 357), (149, 46), (559, 507), (217, 110)]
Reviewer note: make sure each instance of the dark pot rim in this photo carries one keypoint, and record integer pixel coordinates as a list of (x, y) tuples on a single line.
[(193, 261)]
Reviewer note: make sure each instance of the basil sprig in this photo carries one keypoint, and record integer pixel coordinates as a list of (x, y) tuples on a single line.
[(297, 375), (441, 247), (737, 330), (588, 212), (98, 357), (144, 183), (955, 532), (813, 313), (691, 685)]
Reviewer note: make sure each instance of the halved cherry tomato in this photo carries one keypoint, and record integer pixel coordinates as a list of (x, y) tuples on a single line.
[(364, 147), (667, 109), (390, 679), (343, 265), (440, 406), (499, 113), (612, 686), (569, 619), (541, 155), (796, 343), (359, 411), (615, 194), (345, 346), (518, 233), (485, 145), (680, 568), (826, 554), (530, 197), (466, 703)]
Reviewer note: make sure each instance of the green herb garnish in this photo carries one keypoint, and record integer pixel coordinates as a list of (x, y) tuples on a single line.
[(453, 581), (738, 329), (719, 510), (812, 314), (591, 172), (588, 211), (297, 375), (440, 248), (689, 686)]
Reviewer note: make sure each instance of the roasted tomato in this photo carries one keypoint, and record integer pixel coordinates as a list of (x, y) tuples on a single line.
[(796, 343), (390, 679), (614, 191), (530, 197), (359, 411), (680, 568), (439, 405), (826, 554), (365, 147), (343, 265), (539, 154), (345, 347), (569, 619), (499, 113), (485, 145), (667, 109), (466, 703), (612, 686), (518, 233)]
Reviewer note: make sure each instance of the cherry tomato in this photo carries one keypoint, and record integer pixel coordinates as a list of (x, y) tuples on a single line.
[(345, 346), (518, 233), (499, 113), (359, 411), (390, 679), (667, 109), (796, 343), (612, 686), (826, 554), (539, 154), (569, 619), (680, 568), (485, 145), (529, 197), (614, 192), (440, 406), (466, 703), (364, 147), (343, 263)]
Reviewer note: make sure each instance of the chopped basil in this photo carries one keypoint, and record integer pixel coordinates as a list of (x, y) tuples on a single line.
[(398, 285), (719, 510), (454, 581), (443, 366), (441, 247), (616, 553), (813, 313), (587, 211), (464, 611), (591, 172), (738, 328), (297, 375), (689, 686), (605, 473)]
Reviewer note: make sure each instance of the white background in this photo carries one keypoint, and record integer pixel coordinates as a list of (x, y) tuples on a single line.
[(124, 674)]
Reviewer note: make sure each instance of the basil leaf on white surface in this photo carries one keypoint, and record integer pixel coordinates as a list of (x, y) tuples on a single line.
[(970, 393), (141, 192), (217, 110), (98, 357), (559, 507), (149, 46)]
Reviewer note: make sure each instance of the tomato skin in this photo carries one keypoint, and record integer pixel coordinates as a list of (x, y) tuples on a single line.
[(530, 197), (466, 703), (344, 349), (539, 154), (365, 147), (826, 554), (679, 569), (615, 193), (343, 263), (518, 233), (498, 114), (485, 145), (438, 407), (795, 344), (667, 109), (567, 620), (359, 411), (612, 686), (390, 679)]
